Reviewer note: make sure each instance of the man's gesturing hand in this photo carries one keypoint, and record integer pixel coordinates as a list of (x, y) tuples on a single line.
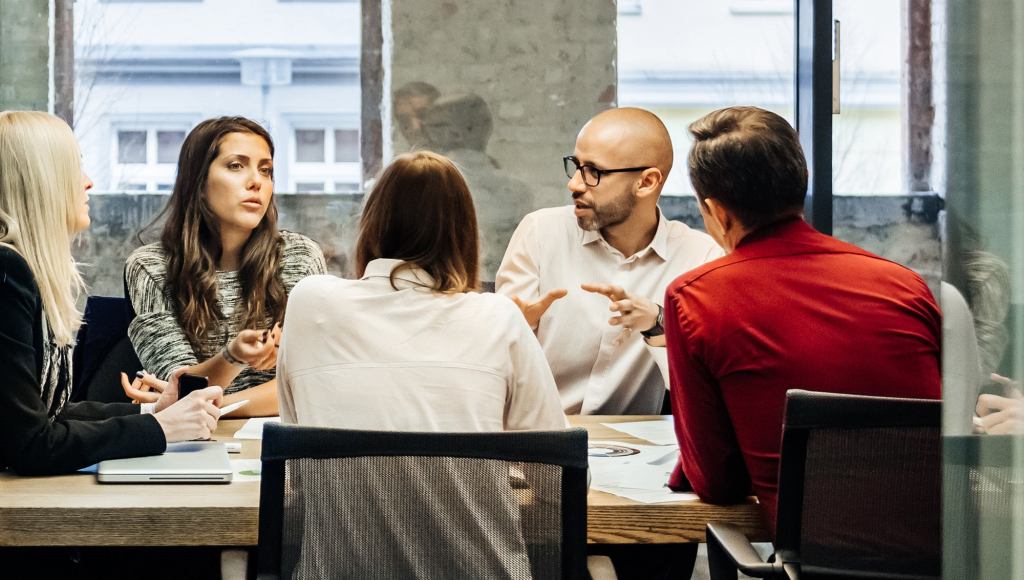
[(533, 311), (636, 313)]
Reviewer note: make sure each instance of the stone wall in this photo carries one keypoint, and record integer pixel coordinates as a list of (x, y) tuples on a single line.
[(24, 54), (502, 88), (122, 222), (901, 228)]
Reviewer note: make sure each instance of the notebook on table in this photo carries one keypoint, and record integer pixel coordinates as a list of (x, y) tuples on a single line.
[(188, 462)]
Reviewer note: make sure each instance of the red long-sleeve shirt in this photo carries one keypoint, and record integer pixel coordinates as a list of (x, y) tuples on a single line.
[(788, 308)]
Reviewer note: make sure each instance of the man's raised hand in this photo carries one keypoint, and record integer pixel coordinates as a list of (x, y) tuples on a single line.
[(534, 310)]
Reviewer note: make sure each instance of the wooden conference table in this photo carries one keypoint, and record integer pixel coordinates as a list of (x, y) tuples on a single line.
[(76, 510)]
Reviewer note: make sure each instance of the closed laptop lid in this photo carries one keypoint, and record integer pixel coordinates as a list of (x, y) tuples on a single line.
[(187, 462)]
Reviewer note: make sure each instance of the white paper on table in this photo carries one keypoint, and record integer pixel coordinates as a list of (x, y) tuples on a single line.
[(650, 496), (253, 428), (660, 432), (642, 476), (246, 469)]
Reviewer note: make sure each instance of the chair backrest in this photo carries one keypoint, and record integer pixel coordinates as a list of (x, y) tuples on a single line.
[(337, 503), (103, 350), (983, 500), (860, 486)]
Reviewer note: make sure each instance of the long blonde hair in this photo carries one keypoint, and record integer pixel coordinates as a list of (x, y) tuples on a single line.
[(40, 185)]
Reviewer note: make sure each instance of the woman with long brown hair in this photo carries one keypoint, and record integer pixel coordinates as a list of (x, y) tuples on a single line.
[(412, 346), (439, 355), (210, 294)]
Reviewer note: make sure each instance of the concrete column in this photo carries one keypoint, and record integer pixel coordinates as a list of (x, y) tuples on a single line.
[(24, 54), (501, 87), (920, 116)]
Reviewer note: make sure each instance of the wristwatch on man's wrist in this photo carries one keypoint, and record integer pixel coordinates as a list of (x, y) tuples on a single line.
[(659, 328)]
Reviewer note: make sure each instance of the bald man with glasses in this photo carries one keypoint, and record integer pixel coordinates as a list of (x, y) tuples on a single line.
[(591, 277)]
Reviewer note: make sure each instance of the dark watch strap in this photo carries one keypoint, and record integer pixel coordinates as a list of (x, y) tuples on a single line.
[(659, 328)]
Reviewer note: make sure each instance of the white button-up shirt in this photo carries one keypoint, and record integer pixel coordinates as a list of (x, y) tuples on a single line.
[(359, 354), (595, 376)]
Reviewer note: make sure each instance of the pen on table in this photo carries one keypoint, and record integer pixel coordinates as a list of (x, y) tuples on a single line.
[(232, 407)]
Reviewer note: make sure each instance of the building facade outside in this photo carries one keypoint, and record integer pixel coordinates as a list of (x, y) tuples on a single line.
[(149, 70)]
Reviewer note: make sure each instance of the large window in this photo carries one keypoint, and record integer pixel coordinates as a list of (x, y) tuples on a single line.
[(685, 59), (867, 137), (147, 72), (682, 60)]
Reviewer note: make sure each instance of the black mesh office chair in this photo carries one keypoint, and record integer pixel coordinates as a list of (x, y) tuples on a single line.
[(983, 480), (860, 490), (103, 350), (336, 503)]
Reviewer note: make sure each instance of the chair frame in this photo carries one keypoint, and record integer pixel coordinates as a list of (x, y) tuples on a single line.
[(729, 549), (566, 449)]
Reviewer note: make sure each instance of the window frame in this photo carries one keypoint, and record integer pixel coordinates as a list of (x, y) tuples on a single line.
[(151, 173), (346, 174)]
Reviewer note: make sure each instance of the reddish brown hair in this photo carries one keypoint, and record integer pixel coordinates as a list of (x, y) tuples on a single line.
[(421, 211)]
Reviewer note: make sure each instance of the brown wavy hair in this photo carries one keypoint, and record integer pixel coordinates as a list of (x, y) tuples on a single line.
[(191, 240), (421, 211)]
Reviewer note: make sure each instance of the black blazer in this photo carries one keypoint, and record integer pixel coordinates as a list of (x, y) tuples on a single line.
[(83, 433)]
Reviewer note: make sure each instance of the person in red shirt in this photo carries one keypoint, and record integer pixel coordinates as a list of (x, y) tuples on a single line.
[(786, 308)]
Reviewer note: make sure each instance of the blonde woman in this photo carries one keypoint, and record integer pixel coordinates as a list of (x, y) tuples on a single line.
[(43, 204)]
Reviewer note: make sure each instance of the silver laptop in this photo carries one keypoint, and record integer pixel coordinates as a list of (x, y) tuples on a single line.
[(188, 462)]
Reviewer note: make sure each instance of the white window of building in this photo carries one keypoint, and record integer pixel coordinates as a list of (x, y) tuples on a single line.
[(325, 159), (346, 145), (145, 158), (131, 147), (147, 71)]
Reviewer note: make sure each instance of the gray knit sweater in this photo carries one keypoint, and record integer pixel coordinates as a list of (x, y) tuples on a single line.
[(155, 332)]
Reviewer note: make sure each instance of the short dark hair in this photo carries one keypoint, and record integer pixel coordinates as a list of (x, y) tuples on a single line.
[(749, 160), (421, 211)]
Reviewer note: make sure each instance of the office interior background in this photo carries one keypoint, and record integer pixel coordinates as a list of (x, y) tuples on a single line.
[(925, 152)]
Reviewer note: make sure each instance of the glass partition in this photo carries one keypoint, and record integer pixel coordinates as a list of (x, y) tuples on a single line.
[(983, 289)]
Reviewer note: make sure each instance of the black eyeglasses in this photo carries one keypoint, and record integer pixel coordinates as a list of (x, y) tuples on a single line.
[(591, 174)]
